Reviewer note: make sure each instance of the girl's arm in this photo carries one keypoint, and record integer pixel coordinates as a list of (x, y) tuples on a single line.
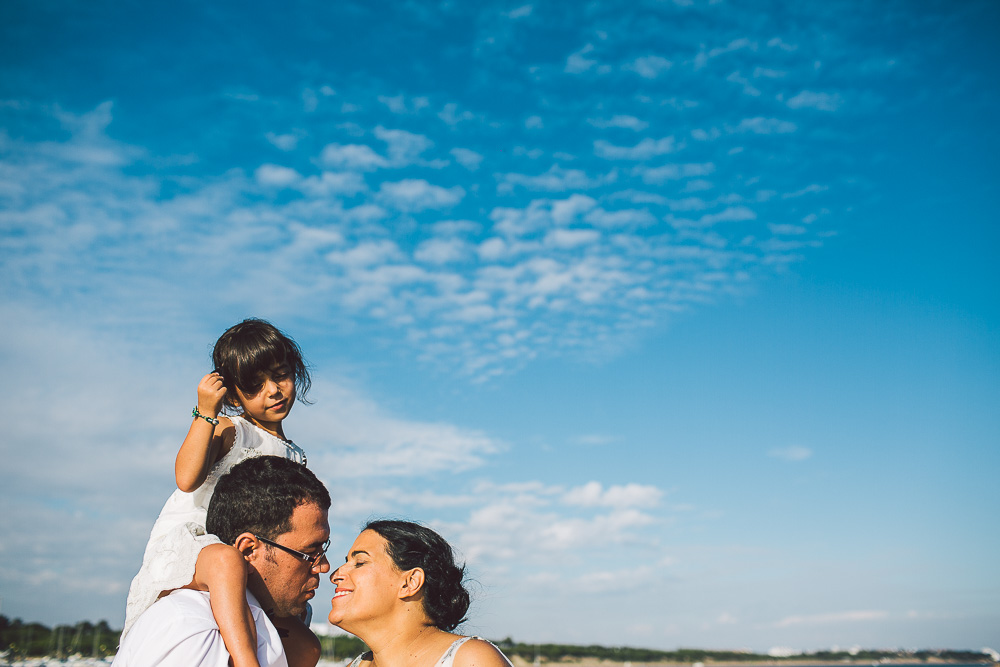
[(222, 571), (205, 443)]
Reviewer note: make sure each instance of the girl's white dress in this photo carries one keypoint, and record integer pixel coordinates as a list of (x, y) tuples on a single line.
[(179, 532)]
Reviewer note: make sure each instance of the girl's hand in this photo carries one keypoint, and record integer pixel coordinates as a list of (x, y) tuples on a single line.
[(211, 393)]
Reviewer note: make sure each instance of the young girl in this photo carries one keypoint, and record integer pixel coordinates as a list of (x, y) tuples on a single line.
[(259, 372)]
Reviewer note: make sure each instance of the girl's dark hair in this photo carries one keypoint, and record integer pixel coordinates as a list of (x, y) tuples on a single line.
[(411, 545), (251, 348)]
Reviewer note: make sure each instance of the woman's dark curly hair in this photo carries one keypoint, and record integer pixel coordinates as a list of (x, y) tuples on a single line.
[(249, 349), (411, 545)]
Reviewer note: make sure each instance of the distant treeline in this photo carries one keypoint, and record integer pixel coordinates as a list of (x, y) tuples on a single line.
[(34, 639), (341, 646), (559, 652), (19, 639)]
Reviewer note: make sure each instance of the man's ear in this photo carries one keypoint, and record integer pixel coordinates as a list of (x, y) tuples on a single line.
[(413, 582), (246, 544)]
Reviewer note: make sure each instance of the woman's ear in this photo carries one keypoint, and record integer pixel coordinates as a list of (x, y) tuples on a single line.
[(413, 582)]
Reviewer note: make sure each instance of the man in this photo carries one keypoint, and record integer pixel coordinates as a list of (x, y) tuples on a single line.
[(274, 511)]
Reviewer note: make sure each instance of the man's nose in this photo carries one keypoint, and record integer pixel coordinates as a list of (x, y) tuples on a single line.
[(323, 566)]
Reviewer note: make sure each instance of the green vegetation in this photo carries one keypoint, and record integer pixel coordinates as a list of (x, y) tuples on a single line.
[(19, 640), (548, 653), (22, 640), (341, 646)]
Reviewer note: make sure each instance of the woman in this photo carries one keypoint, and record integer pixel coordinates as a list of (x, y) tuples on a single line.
[(401, 593)]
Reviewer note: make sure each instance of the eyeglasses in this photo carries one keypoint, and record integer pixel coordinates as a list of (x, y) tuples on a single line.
[(312, 559)]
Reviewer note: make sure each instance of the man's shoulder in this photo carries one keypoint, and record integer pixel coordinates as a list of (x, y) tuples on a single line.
[(175, 630), (179, 630)]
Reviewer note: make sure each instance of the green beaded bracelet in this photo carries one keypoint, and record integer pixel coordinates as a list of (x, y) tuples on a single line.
[(210, 420)]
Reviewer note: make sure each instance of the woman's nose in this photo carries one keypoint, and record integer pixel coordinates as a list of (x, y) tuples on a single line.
[(336, 576)]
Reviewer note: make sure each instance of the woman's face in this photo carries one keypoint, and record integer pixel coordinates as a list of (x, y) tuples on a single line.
[(368, 583)]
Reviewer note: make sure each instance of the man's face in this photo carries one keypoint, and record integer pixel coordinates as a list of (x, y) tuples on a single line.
[(286, 583)]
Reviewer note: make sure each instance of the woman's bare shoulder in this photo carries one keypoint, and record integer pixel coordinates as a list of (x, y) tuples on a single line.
[(480, 653)]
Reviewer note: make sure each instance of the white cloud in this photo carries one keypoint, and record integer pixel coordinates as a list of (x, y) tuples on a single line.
[(576, 63), (284, 142), (492, 249), (556, 179), (442, 251), (734, 45), (762, 125), (791, 453), (520, 12), (456, 227), (639, 197), (808, 99), (766, 73), (549, 275), (649, 67), (571, 238), (451, 116), (273, 175), (730, 214), (813, 188), (414, 194), (400, 105), (644, 150), (593, 494), (403, 148), (334, 183), (672, 172), (778, 43), (748, 88), (833, 618), (366, 254), (363, 440), (619, 120), (352, 156), (624, 218), (565, 211), (786, 230), (467, 158)]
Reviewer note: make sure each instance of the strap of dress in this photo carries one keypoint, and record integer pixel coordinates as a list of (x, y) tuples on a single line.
[(357, 660), (449, 656)]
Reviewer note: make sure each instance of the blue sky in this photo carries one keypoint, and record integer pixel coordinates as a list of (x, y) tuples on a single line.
[(679, 319)]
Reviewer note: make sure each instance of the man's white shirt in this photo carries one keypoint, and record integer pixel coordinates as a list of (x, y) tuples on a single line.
[(180, 631)]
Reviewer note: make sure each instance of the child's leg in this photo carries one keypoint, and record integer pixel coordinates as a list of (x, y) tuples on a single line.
[(222, 571), (302, 647)]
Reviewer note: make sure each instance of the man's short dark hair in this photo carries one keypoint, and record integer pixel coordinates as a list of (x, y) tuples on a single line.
[(258, 496)]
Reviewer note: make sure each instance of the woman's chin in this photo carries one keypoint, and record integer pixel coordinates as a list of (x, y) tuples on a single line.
[(336, 620)]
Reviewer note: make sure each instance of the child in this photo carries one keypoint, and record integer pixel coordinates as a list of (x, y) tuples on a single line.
[(259, 372)]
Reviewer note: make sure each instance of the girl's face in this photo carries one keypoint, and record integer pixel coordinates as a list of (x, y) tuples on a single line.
[(368, 584), (274, 400)]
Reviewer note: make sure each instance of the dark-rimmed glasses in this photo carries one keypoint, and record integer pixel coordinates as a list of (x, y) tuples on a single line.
[(312, 559)]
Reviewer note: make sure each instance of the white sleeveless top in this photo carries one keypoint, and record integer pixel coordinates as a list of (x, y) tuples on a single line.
[(179, 532), (447, 660)]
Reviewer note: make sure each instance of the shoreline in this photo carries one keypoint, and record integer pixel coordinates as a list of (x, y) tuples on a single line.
[(518, 661)]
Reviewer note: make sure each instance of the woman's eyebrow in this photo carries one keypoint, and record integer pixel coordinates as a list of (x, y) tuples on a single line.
[(358, 553)]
